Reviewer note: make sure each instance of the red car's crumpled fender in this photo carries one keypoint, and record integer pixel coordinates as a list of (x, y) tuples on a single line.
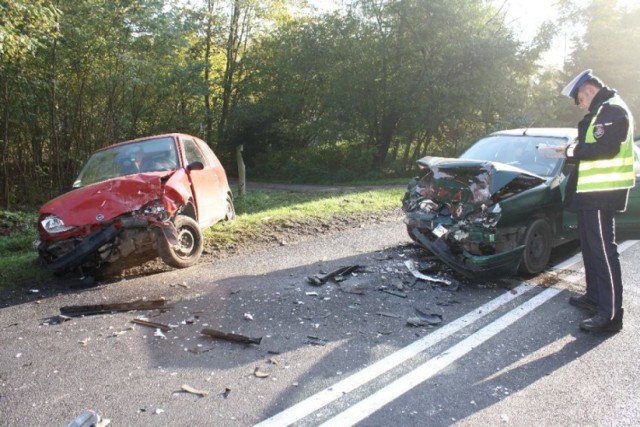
[(104, 201), (177, 191)]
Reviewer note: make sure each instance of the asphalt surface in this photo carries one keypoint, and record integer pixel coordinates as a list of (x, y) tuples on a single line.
[(342, 353)]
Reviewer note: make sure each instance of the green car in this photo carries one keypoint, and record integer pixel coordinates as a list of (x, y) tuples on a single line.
[(497, 209)]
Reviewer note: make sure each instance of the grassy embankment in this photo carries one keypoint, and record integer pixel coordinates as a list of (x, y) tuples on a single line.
[(19, 264)]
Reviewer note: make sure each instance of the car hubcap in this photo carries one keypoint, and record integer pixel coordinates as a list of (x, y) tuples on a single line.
[(186, 245)]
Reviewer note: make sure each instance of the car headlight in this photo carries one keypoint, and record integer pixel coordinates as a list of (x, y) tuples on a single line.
[(53, 224)]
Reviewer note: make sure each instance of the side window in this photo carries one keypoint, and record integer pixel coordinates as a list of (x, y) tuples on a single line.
[(192, 153)]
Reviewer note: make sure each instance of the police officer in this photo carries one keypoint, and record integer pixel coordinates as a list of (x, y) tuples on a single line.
[(596, 191)]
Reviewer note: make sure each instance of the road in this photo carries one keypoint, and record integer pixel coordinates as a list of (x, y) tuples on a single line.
[(506, 353)]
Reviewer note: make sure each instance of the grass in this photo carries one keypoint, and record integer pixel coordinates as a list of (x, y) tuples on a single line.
[(260, 209), (19, 264)]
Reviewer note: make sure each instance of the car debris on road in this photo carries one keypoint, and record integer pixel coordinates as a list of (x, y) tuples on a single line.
[(87, 310)]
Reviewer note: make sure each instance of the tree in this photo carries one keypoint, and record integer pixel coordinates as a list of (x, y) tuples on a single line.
[(610, 46), (25, 26)]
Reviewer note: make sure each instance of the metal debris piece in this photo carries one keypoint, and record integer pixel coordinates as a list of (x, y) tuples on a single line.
[(89, 418), (158, 333), (337, 275), (313, 340), (395, 316), (55, 320), (395, 293), (414, 270), (189, 389), (424, 319), (161, 326), (86, 310), (248, 316), (213, 333), (260, 373)]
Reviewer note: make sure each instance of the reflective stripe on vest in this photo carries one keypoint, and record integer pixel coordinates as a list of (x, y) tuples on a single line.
[(609, 174)]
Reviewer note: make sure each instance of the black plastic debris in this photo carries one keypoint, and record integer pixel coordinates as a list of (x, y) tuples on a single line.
[(86, 310), (336, 275), (313, 340), (424, 319), (213, 333)]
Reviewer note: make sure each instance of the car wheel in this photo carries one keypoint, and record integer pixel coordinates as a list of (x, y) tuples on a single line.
[(410, 233), (230, 212), (190, 244), (537, 251)]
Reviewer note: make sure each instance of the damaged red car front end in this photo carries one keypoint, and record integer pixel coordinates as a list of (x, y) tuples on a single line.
[(118, 217)]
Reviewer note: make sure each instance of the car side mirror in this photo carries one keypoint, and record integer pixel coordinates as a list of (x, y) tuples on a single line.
[(195, 166)]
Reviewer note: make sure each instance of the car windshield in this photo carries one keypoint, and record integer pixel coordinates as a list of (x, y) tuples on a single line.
[(517, 150), (144, 156)]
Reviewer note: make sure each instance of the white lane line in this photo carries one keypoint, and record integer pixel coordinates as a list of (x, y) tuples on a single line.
[(336, 391), (332, 393), (374, 402), (382, 397)]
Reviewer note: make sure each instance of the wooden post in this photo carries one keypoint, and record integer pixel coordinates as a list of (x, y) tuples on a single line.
[(241, 171)]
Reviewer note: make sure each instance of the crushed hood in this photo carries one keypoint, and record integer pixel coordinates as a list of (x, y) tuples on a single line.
[(466, 184), (103, 201)]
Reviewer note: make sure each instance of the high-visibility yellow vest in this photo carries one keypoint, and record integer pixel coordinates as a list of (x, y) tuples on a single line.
[(610, 174)]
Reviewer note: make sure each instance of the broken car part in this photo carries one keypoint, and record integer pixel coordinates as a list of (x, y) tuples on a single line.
[(143, 322), (86, 310), (423, 319), (337, 275), (411, 266), (212, 333)]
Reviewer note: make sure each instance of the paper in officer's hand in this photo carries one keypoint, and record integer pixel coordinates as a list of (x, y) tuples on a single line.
[(552, 151)]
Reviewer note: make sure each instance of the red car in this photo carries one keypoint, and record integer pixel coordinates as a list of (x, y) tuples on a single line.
[(133, 201)]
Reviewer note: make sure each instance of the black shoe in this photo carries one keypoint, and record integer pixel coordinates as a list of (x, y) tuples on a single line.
[(583, 302), (601, 324)]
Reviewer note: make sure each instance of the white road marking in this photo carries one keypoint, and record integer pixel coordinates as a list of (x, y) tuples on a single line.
[(375, 401), (382, 397), (328, 395)]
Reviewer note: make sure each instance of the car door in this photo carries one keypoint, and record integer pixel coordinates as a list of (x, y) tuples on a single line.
[(207, 186), (628, 223)]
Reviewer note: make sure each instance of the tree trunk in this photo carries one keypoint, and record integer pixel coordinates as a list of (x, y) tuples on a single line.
[(207, 75), (233, 43), (5, 140)]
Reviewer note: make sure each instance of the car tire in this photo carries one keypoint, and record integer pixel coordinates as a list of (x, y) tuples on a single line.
[(537, 251), (410, 233), (230, 211), (190, 244)]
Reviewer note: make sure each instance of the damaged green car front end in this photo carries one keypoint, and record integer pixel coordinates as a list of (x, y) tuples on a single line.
[(482, 218)]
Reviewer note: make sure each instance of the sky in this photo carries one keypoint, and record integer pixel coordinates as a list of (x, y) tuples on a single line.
[(525, 17)]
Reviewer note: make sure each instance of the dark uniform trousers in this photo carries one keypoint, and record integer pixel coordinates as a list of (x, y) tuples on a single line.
[(601, 261)]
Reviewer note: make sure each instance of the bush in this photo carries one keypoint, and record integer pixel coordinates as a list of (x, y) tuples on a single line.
[(317, 164)]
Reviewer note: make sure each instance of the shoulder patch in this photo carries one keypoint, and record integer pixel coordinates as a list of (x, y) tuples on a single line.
[(598, 131)]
